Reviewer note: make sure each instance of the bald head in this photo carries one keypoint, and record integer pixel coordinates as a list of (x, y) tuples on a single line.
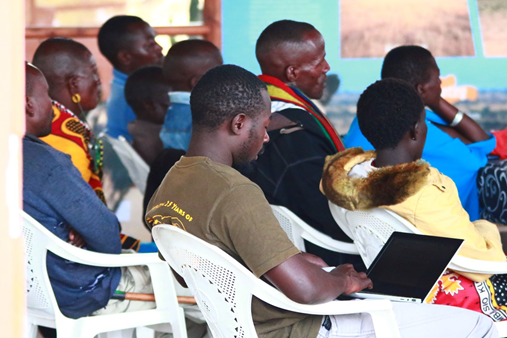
[(294, 52), (38, 108), (58, 59), (70, 69), (187, 61), (279, 43)]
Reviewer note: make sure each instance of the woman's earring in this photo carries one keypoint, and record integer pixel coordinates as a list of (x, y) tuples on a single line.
[(76, 98)]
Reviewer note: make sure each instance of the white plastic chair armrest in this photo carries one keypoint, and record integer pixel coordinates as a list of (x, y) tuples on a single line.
[(465, 264), (74, 254), (160, 273), (274, 297)]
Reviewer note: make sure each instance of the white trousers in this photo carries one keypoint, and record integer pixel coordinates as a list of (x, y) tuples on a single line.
[(416, 321)]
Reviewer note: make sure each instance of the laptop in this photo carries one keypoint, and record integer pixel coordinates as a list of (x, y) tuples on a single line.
[(408, 266)]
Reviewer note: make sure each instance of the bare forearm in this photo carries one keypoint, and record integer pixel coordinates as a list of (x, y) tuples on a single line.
[(468, 128), (307, 283)]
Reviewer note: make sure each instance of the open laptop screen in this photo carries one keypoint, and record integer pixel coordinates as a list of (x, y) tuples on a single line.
[(409, 264)]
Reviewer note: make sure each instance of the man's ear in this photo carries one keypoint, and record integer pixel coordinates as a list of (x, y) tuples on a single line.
[(421, 89), (291, 72), (193, 80), (238, 124), (30, 106), (124, 57), (73, 85)]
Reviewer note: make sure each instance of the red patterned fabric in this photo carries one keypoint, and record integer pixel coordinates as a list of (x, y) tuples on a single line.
[(501, 143), (488, 297)]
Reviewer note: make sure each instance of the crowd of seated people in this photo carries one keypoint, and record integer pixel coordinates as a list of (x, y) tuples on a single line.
[(231, 111), (213, 121)]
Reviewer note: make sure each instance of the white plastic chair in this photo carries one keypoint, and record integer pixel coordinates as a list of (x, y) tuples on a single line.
[(43, 310), (298, 231), (223, 288), (371, 229), (137, 168)]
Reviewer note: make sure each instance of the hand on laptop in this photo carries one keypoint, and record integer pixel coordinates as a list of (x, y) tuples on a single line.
[(355, 281)]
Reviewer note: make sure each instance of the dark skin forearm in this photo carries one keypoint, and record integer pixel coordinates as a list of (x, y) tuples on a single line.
[(467, 128), (306, 283)]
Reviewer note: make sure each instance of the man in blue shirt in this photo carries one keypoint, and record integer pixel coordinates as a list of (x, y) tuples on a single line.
[(128, 43), (456, 145), (185, 63), (55, 194)]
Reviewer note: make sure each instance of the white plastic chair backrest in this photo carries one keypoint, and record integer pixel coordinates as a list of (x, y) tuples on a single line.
[(40, 296), (221, 286), (289, 225), (298, 231), (338, 214), (137, 168), (371, 229)]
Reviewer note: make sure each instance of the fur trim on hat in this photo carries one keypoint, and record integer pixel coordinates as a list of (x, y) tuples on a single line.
[(386, 186)]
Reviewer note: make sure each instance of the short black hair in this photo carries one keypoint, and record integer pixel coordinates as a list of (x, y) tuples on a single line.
[(409, 63), (280, 32), (386, 110), (144, 83), (224, 92), (112, 36)]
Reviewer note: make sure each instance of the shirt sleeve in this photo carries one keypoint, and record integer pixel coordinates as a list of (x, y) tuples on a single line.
[(78, 205), (246, 224)]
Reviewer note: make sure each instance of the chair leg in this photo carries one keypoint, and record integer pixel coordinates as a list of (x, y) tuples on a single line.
[(67, 332), (126, 333), (179, 327), (385, 324), (32, 330)]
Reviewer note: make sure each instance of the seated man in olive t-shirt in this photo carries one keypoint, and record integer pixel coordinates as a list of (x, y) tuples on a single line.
[(206, 197)]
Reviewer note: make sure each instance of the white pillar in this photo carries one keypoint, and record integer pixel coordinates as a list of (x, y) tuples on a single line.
[(12, 90)]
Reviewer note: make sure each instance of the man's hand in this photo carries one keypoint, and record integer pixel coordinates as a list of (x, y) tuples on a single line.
[(76, 239), (314, 260), (356, 281), (306, 283), (468, 129)]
